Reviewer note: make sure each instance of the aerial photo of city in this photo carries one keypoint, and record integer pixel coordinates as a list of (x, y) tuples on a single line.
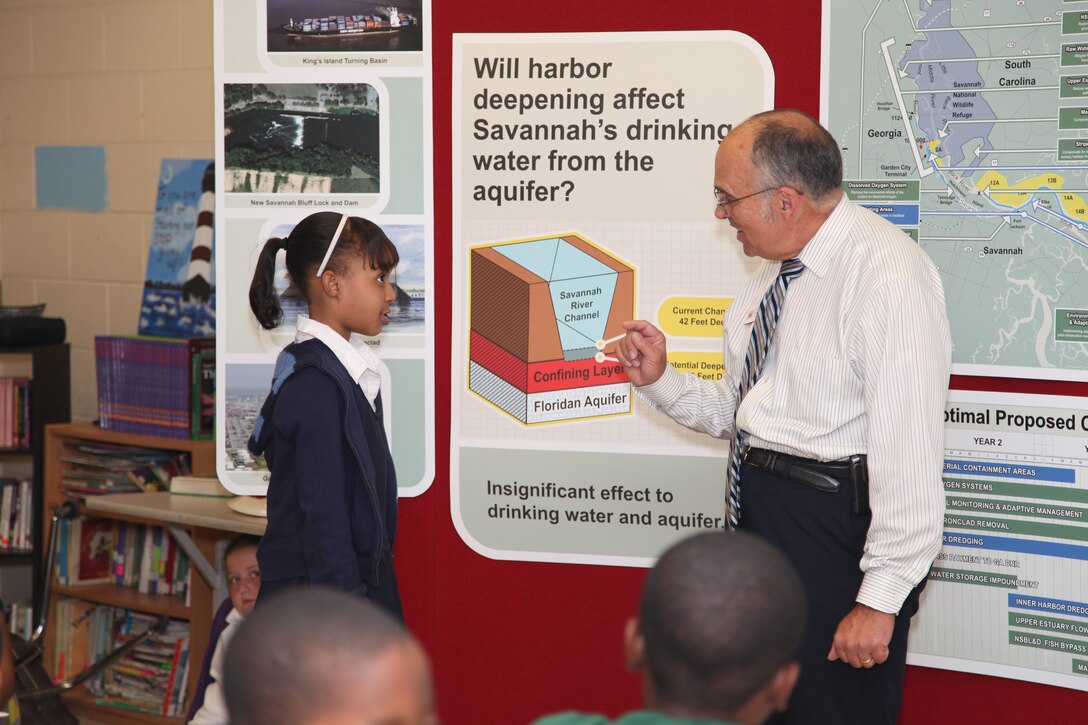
[(301, 138), (247, 387)]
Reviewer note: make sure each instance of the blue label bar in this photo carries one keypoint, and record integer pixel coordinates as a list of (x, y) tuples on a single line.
[(1024, 546), (902, 214), (1042, 604), (1020, 471)]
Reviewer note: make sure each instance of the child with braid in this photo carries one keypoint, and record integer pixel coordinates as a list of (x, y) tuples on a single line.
[(332, 492)]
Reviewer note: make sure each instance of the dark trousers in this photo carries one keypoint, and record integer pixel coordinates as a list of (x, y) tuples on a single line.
[(820, 533)]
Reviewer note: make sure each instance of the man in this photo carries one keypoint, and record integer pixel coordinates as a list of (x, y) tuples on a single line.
[(842, 430), (720, 620), (316, 656)]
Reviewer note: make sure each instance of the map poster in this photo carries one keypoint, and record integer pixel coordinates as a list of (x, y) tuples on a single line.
[(583, 177), (966, 124), (1008, 593), (322, 107)]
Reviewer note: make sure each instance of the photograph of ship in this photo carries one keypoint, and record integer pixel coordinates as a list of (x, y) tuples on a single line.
[(301, 138), (306, 26), (407, 313)]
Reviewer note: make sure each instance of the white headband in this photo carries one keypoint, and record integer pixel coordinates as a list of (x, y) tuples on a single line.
[(332, 244)]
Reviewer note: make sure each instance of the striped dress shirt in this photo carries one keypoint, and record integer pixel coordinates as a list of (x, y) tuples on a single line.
[(859, 364)]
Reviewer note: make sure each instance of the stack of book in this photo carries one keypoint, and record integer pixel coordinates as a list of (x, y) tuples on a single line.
[(156, 385), (15, 412), (16, 512), (149, 679), (138, 556), (92, 468)]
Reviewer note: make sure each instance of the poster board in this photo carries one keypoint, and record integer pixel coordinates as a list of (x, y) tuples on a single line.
[(321, 111)]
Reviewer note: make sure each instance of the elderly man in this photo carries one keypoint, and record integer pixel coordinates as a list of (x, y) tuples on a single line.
[(837, 358)]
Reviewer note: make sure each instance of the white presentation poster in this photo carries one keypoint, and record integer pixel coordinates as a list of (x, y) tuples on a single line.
[(583, 169), (323, 108), (1008, 593), (966, 123)]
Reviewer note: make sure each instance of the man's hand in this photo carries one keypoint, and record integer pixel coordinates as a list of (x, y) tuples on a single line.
[(862, 637), (642, 352)]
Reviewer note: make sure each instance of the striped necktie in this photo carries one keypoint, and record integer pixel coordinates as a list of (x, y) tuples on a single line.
[(760, 342)]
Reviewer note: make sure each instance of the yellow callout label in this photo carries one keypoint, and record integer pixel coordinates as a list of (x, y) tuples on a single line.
[(707, 365), (693, 316)]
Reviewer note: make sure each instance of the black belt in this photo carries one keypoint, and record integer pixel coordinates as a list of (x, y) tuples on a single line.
[(825, 476)]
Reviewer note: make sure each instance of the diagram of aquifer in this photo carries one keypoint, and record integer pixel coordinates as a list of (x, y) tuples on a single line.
[(545, 317)]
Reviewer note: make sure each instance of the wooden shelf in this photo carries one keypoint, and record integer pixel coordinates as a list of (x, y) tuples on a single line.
[(83, 705), (205, 527), (118, 596), (201, 452)]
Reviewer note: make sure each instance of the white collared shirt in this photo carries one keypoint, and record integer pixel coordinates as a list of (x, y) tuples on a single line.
[(359, 360), (859, 364), (214, 709)]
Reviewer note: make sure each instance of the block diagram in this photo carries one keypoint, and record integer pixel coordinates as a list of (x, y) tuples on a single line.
[(545, 315)]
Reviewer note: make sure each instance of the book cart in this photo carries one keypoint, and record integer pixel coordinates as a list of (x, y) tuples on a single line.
[(204, 521)]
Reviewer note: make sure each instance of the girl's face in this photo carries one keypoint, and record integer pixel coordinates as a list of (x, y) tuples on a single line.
[(243, 579), (368, 294)]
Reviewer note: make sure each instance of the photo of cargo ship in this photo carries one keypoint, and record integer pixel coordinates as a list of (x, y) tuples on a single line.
[(393, 22), (343, 26)]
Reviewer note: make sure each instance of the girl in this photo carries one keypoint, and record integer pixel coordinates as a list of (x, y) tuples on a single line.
[(332, 491)]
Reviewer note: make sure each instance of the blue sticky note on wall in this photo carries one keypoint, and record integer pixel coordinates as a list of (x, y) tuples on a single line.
[(70, 177)]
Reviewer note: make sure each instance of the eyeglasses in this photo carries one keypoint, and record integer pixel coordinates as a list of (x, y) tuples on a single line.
[(724, 201)]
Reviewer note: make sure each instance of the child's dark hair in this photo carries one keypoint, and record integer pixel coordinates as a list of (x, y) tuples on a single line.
[(306, 246), (242, 541)]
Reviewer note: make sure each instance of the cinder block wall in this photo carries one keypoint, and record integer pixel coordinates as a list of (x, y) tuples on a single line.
[(134, 78)]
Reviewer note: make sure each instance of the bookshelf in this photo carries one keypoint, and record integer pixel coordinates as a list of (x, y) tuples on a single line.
[(204, 534), (50, 402)]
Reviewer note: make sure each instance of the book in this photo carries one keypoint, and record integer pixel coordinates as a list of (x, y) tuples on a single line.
[(202, 419), (145, 384), (147, 556), (7, 498), (103, 468), (198, 486), (78, 635), (119, 553), (60, 560), (96, 545), (24, 538)]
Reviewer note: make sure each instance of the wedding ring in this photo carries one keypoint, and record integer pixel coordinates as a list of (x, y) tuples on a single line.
[(867, 661)]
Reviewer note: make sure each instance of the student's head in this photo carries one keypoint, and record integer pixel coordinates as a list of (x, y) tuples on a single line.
[(349, 289), (720, 621), (315, 656), (243, 572)]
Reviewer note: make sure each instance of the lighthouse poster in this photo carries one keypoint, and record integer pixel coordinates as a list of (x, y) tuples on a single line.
[(179, 291)]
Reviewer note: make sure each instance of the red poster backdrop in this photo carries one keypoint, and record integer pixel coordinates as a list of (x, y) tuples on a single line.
[(510, 641)]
